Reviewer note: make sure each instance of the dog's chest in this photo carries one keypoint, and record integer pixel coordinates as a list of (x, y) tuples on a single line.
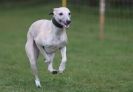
[(55, 42)]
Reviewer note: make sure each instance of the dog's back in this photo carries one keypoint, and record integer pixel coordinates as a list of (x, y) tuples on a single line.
[(39, 26)]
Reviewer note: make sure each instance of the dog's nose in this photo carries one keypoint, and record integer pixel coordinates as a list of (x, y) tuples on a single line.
[(68, 21)]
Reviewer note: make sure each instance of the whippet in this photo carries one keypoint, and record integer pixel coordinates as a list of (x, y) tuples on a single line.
[(48, 36)]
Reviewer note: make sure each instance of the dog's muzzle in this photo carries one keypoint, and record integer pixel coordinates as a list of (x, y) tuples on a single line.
[(68, 22)]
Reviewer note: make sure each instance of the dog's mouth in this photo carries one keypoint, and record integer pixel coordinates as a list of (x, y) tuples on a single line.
[(66, 24)]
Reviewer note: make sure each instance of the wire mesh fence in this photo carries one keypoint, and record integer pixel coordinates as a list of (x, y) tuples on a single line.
[(119, 18), (118, 15)]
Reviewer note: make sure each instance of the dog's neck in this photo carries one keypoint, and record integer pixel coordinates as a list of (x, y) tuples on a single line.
[(56, 23)]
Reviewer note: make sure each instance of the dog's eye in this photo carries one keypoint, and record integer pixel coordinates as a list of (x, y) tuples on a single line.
[(60, 14), (69, 13)]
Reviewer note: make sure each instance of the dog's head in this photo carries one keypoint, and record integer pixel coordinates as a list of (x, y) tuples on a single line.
[(62, 15)]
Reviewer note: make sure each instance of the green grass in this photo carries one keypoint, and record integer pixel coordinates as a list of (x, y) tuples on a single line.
[(93, 65)]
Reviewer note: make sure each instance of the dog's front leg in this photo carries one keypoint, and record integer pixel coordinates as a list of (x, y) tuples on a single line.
[(64, 59), (49, 59)]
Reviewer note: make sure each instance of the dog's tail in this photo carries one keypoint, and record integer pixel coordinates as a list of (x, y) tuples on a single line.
[(31, 47)]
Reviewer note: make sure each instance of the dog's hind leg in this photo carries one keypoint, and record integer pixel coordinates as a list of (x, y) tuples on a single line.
[(33, 53)]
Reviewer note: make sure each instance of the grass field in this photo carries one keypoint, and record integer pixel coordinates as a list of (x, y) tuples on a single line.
[(93, 65)]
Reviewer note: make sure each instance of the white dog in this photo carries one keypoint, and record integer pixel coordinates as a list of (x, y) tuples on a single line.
[(48, 36)]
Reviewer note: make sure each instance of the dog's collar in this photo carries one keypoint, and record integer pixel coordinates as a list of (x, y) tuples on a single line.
[(56, 23)]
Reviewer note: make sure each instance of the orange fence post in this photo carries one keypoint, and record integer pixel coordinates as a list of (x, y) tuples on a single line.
[(102, 19), (64, 3)]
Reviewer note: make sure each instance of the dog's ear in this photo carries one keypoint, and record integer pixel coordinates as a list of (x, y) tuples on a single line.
[(51, 13), (54, 11)]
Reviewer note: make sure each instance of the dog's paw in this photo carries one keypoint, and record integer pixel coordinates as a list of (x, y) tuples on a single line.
[(61, 69), (54, 72), (38, 84)]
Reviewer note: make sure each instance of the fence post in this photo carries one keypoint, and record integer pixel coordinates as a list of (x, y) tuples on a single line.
[(64, 3), (102, 19)]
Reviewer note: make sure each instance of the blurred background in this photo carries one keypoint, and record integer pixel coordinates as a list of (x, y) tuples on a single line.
[(118, 10), (100, 46)]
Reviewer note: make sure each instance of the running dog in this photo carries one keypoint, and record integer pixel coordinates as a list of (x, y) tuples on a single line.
[(46, 37)]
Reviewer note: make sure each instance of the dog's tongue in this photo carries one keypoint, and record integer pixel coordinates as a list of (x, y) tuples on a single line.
[(66, 26)]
